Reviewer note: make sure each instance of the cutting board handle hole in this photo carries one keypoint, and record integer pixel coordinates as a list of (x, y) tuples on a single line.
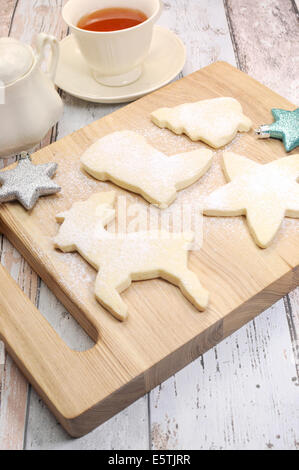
[(69, 330)]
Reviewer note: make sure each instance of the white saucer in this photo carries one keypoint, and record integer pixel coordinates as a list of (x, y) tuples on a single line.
[(165, 60)]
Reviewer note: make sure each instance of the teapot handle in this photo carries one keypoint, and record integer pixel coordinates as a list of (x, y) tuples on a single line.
[(42, 41), (161, 9)]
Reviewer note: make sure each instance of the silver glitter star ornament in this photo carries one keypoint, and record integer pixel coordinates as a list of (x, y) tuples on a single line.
[(27, 182)]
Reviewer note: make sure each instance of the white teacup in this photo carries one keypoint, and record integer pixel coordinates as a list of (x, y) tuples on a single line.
[(115, 57)]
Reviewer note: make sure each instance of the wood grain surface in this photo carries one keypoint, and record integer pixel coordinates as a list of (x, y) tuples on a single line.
[(205, 30)]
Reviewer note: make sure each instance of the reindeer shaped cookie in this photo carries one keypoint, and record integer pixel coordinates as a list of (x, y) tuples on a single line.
[(128, 160), (123, 258)]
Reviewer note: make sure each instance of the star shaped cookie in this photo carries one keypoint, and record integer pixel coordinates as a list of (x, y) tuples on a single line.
[(264, 193), (27, 182)]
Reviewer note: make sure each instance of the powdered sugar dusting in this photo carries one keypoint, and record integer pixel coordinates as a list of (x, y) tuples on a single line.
[(77, 274), (78, 186)]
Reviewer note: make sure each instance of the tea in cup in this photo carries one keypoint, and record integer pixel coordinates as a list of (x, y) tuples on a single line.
[(111, 19), (114, 39)]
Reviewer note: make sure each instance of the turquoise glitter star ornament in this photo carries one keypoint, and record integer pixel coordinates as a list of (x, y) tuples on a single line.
[(285, 127)]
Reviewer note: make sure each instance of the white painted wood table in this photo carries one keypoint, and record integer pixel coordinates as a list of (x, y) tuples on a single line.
[(244, 393)]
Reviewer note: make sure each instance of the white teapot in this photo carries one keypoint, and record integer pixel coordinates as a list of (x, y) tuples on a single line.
[(29, 102)]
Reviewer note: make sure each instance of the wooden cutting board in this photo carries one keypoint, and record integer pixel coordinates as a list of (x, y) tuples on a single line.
[(164, 332)]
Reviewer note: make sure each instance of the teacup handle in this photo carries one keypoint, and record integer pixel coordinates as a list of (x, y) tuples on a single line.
[(42, 41)]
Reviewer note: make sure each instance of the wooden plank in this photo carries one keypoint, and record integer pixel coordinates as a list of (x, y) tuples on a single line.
[(238, 396), (13, 406), (31, 18), (292, 308), (7, 8), (203, 28), (251, 279), (126, 431), (265, 36)]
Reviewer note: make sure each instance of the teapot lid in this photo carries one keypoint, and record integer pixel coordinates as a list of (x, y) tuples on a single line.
[(16, 60)]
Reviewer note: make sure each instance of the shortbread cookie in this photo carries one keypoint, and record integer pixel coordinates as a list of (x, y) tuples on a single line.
[(264, 193), (215, 122), (123, 258), (126, 159)]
